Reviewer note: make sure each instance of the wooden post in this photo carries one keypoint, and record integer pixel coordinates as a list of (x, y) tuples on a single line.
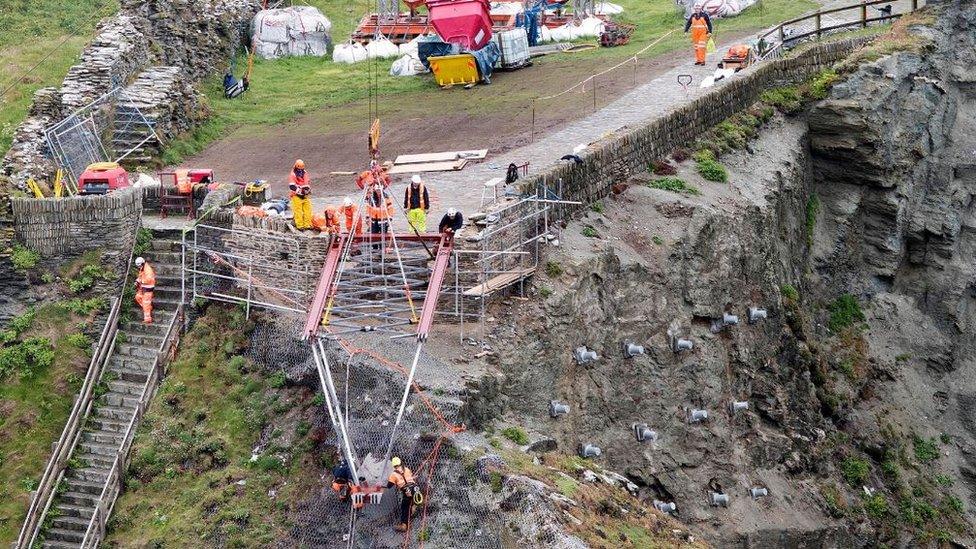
[(914, 5), (817, 22), (864, 15), (782, 34)]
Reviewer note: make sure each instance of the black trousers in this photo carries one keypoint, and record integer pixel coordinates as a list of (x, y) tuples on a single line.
[(405, 504)]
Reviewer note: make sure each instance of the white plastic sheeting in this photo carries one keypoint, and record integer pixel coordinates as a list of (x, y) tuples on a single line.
[(408, 65), (381, 48), (719, 8), (507, 8), (545, 35), (606, 8), (349, 53), (298, 30), (591, 27)]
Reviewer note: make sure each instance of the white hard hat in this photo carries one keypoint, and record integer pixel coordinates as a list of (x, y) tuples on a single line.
[(452, 212), (347, 202), (416, 179), (140, 261)]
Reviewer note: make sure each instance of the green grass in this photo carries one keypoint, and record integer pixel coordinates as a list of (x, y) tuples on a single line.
[(855, 470), (284, 89), (813, 208), (33, 411), (674, 185), (711, 170), (516, 435), (30, 30), (926, 450), (845, 311)]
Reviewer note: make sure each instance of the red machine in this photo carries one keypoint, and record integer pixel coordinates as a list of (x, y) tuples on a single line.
[(103, 178), (463, 22)]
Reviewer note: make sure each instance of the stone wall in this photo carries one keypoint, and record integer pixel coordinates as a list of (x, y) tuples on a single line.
[(66, 228), (617, 157)]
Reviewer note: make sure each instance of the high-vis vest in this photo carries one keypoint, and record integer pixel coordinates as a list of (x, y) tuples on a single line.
[(146, 278), (420, 192)]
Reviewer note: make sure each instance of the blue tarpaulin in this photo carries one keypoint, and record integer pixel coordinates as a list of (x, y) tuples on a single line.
[(486, 58), (434, 48)]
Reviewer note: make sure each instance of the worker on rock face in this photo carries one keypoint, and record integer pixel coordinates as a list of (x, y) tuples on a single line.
[(701, 28), (145, 285), (402, 479), (301, 190), (341, 475), (451, 223), (416, 201)]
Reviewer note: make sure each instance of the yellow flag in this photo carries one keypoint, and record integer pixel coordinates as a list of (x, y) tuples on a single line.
[(710, 46)]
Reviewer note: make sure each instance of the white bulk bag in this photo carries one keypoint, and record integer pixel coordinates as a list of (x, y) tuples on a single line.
[(408, 65), (272, 26), (565, 33), (381, 48), (591, 27), (309, 20), (545, 35), (349, 53), (411, 47)]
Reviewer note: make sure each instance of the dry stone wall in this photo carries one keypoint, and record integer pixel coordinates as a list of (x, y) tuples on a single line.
[(617, 157), (66, 228)]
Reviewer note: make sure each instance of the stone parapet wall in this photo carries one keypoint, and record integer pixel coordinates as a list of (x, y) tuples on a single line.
[(65, 228), (625, 153)]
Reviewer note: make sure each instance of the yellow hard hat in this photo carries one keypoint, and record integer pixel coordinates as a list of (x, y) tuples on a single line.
[(300, 164), (396, 462)]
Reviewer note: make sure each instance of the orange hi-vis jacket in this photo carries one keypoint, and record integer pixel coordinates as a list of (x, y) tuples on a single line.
[(401, 478), (352, 219), (296, 184), (146, 278), (380, 212)]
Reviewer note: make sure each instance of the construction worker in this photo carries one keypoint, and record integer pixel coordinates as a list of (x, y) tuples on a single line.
[(327, 221), (145, 284), (402, 479), (416, 201), (301, 204), (701, 29), (348, 209), (341, 475), (380, 209), (360, 488), (451, 223)]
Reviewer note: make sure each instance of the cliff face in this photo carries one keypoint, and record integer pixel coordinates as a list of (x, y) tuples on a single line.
[(866, 198)]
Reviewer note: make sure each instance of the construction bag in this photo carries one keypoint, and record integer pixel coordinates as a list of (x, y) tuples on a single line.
[(710, 46)]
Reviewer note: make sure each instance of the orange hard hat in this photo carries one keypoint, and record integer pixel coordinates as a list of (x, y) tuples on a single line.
[(330, 209), (300, 164)]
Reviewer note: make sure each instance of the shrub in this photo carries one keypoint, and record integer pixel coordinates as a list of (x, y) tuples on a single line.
[(681, 154), (663, 167), (144, 238), (711, 170), (925, 450), (495, 480), (876, 507), (943, 480), (821, 84), (953, 503), (597, 206), (703, 155), (26, 358), (277, 379), (790, 293), (78, 340), (80, 306), (855, 470), (516, 435), (732, 134), (674, 185), (24, 259), (657, 240), (844, 312), (553, 269), (81, 284), (22, 323), (589, 232), (47, 278), (786, 100), (545, 292)]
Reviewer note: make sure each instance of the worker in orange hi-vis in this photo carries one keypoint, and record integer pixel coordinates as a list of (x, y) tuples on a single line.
[(145, 285), (349, 210), (301, 189), (701, 28)]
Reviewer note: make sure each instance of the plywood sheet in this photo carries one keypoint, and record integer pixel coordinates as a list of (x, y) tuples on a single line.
[(440, 157), (449, 166)]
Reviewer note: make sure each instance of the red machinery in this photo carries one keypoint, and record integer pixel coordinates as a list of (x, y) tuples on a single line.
[(103, 178), (463, 22)]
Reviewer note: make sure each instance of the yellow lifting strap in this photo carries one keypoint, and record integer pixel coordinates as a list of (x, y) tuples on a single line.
[(34, 188), (58, 184), (374, 138)]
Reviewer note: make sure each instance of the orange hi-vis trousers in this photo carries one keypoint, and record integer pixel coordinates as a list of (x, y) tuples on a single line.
[(144, 299), (699, 38)]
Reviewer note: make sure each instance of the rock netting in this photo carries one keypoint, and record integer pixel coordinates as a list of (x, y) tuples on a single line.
[(67, 228)]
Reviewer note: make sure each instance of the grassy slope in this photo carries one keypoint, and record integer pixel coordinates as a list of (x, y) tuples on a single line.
[(29, 31), (284, 89), (34, 409), (194, 448)]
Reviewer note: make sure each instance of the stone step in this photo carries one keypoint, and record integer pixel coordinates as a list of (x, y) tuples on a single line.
[(163, 245), (102, 437), (95, 460), (85, 487), (109, 424), (80, 499), (120, 400), (78, 511), (174, 293), (116, 413), (130, 374), (159, 257), (108, 451), (53, 544), (138, 352), (148, 340), (137, 326), (60, 534), (90, 474), (126, 387), (72, 523)]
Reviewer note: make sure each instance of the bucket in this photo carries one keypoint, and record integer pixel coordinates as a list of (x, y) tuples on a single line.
[(463, 22)]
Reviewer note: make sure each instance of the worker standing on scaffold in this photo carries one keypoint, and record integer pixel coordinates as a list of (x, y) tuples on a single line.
[(341, 476), (379, 205), (410, 495)]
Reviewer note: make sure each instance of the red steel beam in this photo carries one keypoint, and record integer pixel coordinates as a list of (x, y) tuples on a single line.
[(441, 263), (401, 237), (315, 312)]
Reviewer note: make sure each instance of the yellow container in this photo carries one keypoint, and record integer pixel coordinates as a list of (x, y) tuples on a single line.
[(454, 70)]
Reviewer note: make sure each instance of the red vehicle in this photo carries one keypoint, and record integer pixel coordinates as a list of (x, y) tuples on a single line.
[(103, 178)]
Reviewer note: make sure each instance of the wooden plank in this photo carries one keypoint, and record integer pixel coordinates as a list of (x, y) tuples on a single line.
[(451, 166), (440, 157), (497, 283)]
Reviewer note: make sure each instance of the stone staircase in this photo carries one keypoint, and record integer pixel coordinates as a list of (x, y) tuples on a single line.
[(126, 374)]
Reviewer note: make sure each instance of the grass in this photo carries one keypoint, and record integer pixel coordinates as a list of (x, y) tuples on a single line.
[(855, 470), (516, 435), (34, 408), (813, 208), (553, 269), (845, 311), (24, 259), (674, 185), (30, 30), (711, 170), (273, 98), (926, 450), (195, 445)]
